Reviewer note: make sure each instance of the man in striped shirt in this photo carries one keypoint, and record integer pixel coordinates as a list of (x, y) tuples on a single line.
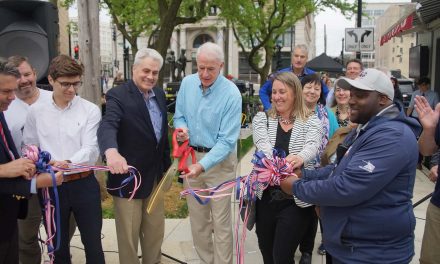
[(208, 109)]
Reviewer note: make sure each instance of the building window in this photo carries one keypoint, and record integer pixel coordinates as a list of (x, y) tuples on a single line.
[(378, 12), (245, 72), (401, 39), (366, 56), (285, 40), (412, 44), (393, 49), (401, 50), (392, 59), (200, 39), (213, 10), (400, 59)]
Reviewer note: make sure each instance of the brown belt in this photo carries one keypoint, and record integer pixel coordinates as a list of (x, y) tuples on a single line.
[(76, 176)]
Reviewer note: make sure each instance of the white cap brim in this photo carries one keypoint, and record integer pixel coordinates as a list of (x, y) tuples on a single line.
[(346, 83)]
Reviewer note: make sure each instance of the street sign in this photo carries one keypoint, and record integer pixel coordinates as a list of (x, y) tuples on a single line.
[(359, 39)]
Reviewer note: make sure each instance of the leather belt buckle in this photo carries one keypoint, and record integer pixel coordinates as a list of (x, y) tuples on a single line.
[(76, 176)]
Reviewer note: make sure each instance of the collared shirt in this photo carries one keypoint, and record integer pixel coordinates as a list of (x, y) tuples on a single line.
[(430, 95), (67, 134), (17, 113), (213, 116), (154, 110)]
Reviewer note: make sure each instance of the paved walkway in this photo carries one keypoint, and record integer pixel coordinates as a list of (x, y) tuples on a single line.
[(178, 240)]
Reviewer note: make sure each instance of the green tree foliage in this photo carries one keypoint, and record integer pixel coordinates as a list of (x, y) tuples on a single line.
[(258, 24), (154, 18)]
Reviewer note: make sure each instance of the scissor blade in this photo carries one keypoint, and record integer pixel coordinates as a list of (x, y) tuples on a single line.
[(163, 186)]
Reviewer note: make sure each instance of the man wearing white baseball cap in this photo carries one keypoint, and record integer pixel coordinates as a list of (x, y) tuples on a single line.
[(365, 197)]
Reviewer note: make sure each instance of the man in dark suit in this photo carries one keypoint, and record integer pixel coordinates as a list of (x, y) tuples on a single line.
[(134, 131), (16, 174)]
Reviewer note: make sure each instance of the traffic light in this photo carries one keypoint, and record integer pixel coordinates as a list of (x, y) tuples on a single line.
[(76, 52), (29, 28)]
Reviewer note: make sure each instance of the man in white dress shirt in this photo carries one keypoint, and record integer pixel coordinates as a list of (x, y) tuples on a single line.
[(66, 127), (26, 94)]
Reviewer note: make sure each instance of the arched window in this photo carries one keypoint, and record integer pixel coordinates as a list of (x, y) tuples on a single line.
[(200, 39)]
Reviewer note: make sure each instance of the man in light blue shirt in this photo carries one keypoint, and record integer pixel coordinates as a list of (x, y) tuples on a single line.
[(425, 91), (208, 109)]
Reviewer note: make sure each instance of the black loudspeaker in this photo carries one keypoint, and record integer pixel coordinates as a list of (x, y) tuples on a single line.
[(418, 61), (29, 28)]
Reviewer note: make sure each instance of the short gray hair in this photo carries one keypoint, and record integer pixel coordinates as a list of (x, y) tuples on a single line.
[(211, 49), (144, 53), (7, 68), (302, 47)]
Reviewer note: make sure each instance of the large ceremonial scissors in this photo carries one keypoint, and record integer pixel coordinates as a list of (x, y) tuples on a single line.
[(180, 155)]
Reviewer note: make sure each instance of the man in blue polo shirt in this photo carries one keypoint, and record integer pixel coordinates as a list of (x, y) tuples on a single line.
[(299, 60)]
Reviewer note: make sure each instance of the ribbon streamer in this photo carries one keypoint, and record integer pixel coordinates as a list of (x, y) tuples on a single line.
[(51, 205), (265, 172)]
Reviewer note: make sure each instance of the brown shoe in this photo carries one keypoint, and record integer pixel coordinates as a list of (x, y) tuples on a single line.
[(419, 166)]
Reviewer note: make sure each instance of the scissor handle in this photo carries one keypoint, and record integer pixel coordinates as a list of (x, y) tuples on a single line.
[(182, 163), (182, 152), (178, 150)]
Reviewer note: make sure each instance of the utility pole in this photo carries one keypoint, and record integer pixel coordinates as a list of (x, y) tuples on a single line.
[(226, 34), (115, 50), (325, 38), (88, 34), (342, 53), (359, 24)]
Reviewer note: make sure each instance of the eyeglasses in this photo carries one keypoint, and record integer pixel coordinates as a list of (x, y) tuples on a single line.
[(67, 85)]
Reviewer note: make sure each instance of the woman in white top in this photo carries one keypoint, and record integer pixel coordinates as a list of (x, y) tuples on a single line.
[(289, 126)]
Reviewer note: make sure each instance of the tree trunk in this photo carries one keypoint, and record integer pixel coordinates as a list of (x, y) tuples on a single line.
[(165, 34), (89, 53), (267, 65)]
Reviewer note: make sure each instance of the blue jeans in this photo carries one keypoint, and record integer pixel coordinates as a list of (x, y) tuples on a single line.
[(82, 197)]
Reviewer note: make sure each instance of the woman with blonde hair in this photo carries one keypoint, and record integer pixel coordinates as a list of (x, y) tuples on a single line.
[(289, 126)]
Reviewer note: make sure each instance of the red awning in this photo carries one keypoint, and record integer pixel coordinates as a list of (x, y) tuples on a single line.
[(405, 24)]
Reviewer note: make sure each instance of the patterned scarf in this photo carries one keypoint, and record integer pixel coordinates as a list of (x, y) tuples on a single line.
[(321, 112), (342, 122)]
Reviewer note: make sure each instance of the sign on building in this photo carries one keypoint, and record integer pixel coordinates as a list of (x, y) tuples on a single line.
[(359, 39)]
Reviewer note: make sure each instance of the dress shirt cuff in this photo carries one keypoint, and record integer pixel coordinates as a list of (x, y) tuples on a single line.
[(34, 185), (206, 164)]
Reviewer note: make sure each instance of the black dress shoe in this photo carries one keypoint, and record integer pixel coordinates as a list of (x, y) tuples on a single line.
[(306, 258)]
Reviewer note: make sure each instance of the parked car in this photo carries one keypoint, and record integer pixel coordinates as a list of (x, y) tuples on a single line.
[(407, 88)]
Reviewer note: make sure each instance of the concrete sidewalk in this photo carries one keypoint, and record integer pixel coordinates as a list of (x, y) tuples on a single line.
[(178, 240)]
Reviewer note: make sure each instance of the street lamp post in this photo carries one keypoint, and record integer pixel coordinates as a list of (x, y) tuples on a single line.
[(359, 24)]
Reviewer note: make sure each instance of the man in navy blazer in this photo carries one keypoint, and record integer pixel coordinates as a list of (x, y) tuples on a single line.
[(15, 173), (134, 131)]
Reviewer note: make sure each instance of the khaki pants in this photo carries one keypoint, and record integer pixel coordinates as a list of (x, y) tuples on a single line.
[(430, 253), (214, 216), (132, 223)]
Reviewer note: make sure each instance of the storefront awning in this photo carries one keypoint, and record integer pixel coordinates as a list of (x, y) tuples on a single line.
[(403, 25)]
